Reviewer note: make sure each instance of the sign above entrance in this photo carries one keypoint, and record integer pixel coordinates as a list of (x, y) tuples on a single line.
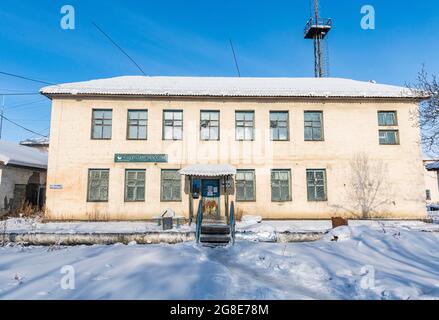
[(141, 158)]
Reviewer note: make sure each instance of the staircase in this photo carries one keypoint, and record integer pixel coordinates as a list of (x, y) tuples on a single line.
[(214, 232)]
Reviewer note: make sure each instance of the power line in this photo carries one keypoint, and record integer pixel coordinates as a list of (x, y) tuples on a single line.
[(26, 78), (234, 57), (24, 128), (120, 48)]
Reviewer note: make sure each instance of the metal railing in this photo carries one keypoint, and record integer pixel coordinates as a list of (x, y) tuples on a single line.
[(232, 222), (320, 22), (199, 221)]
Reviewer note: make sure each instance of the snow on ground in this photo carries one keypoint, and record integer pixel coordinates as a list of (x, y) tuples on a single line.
[(366, 263), (23, 225), (265, 229)]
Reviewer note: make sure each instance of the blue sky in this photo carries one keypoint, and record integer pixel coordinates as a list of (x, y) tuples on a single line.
[(191, 37)]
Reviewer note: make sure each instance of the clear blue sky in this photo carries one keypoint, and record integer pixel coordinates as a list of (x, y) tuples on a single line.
[(191, 37)]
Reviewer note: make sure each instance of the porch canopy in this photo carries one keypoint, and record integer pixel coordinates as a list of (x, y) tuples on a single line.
[(207, 170), (433, 166)]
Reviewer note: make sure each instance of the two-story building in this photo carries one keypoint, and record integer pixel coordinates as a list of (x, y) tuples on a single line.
[(129, 148)]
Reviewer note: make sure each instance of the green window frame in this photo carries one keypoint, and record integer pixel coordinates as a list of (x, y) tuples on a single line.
[(281, 185), (137, 128), (135, 185), (279, 125), (102, 124), (98, 185), (210, 125), (245, 125), (245, 181), (387, 118), (173, 125), (314, 126), (171, 186), (316, 185), (389, 137)]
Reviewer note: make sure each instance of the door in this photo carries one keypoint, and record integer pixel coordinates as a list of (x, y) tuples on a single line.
[(211, 197)]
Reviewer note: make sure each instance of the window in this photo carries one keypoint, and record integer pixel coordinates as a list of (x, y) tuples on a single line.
[(245, 125), (102, 124), (210, 123), (313, 126), (171, 185), (387, 118), (279, 126), (245, 185), (137, 124), (173, 125), (98, 180), (428, 195), (389, 137), (281, 185), (316, 182), (135, 185)]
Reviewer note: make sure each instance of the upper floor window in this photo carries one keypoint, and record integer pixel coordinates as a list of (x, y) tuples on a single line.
[(245, 185), (279, 125), (137, 124), (316, 183), (389, 137), (281, 185), (102, 121), (173, 125), (245, 125), (98, 181), (313, 126), (210, 125), (387, 118)]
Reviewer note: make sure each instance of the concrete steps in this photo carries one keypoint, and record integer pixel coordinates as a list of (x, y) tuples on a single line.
[(215, 235)]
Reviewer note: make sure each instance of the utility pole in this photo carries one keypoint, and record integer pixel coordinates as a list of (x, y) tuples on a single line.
[(2, 111)]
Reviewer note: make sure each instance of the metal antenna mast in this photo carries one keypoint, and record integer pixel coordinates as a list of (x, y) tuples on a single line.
[(317, 29)]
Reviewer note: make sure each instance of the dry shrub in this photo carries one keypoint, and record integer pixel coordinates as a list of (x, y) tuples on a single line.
[(238, 214)]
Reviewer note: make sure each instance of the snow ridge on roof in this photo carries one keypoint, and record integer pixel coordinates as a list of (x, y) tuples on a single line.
[(231, 87), (13, 154)]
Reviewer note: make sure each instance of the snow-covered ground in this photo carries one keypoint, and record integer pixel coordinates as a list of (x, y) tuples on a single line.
[(21, 225), (391, 262)]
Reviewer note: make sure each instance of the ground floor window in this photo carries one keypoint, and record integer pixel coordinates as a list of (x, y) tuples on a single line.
[(245, 185), (171, 185), (316, 182), (135, 185), (281, 185), (98, 180), (389, 137)]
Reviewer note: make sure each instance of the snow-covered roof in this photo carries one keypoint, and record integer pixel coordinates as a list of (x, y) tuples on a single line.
[(203, 170), (35, 142), (13, 154), (232, 87), (433, 166)]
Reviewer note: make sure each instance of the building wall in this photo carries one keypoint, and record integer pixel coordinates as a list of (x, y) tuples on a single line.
[(11, 176), (432, 184), (351, 128)]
